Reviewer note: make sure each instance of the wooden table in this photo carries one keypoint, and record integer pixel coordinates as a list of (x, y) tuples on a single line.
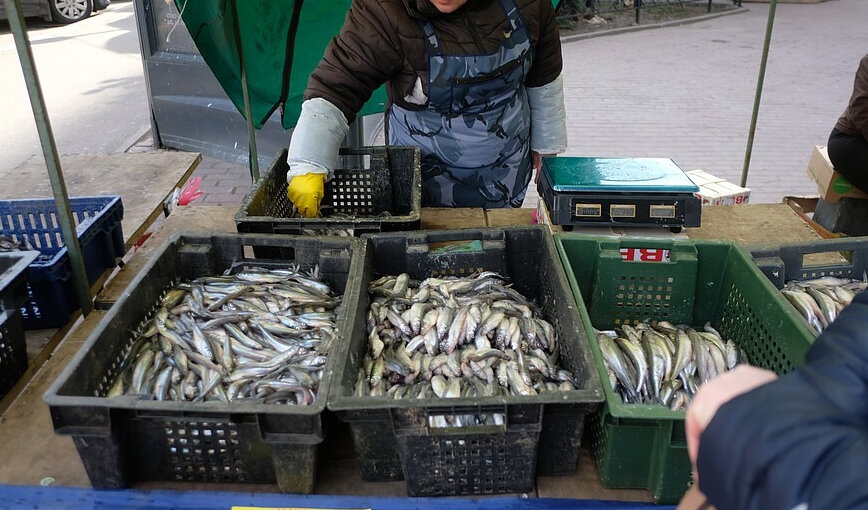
[(143, 181), (31, 451)]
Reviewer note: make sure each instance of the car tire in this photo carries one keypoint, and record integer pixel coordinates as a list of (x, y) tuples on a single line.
[(70, 11)]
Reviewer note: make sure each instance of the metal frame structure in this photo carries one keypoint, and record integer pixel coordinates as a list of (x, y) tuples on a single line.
[(49, 151), (55, 172)]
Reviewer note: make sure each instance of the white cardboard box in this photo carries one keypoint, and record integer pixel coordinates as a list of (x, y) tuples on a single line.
[(718, 191), (831, 185)]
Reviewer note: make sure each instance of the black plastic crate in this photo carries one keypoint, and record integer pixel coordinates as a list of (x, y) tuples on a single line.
[(13, 293), (541, 434), (792, 261), (380, 187), (50, 286), (125, 439)]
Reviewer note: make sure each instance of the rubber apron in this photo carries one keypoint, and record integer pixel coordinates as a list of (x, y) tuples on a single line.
[(474, 133)]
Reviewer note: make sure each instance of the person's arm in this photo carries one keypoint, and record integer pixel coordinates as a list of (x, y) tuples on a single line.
[(859, 102), (802, 439), (545, 90), (357, 61)]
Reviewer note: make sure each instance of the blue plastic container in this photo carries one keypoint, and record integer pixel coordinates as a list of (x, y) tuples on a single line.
[(51, 294)]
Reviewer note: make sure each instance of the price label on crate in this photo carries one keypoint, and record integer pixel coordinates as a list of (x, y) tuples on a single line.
[(645, 255)]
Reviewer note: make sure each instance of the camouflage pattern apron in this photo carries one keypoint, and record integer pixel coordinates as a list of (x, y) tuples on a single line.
[(474, 134)]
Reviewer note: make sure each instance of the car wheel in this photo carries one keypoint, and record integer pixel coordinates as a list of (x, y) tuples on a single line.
[(70, 11)]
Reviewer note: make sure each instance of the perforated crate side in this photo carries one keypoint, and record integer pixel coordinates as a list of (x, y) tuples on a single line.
[(51, 297), (13, 350), (377, 188), (631, 292), (470, 464)]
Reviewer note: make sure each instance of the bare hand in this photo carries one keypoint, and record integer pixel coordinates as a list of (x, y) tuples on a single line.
[(536, 159), (714, 394)]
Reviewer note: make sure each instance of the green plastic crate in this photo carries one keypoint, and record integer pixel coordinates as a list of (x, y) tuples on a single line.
[(644, 446)]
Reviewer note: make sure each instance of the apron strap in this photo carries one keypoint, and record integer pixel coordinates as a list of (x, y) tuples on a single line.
[(431, 40), (512, 14)]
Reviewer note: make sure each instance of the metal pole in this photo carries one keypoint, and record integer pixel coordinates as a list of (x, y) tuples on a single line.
[(252, 153), (49, 151), (759, 91), (638, 5)]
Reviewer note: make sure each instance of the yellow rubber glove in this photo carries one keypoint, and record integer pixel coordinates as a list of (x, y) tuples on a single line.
[(305, 192)]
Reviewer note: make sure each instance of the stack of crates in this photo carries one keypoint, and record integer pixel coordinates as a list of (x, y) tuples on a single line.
[(13, 293)]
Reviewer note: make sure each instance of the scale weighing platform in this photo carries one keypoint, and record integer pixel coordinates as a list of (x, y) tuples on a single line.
[(629, 192)]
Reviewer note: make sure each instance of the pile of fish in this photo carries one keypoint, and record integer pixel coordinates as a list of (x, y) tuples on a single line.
[(662, 364), (260, 335), (822, 299), (457, 337), (8, 244), (333, 231)]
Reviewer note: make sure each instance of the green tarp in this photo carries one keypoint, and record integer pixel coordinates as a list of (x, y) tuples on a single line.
[(281, 42)]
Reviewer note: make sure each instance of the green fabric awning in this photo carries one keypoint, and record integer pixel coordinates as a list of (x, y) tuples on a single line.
[(281, 42)]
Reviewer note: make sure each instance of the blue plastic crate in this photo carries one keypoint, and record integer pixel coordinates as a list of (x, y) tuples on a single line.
[(51, 294), (13, 292)]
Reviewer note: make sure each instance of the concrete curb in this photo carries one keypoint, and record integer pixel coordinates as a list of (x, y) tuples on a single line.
[(636, 28)]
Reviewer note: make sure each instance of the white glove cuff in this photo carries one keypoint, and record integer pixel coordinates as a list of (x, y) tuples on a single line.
[(316, 139), (548, 117)]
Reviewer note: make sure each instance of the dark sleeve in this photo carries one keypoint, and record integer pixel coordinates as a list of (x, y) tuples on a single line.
[(859, 101), (357, 61), (547, 60), (802, 438)]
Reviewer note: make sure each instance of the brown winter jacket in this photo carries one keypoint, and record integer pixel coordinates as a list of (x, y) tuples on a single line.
[(854, 121), (382, 42)]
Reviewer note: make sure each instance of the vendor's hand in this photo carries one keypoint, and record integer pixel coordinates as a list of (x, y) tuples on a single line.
[(306, 192), (536, 161), (714, 394)]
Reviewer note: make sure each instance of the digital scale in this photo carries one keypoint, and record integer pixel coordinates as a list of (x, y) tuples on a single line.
[(630, 192)]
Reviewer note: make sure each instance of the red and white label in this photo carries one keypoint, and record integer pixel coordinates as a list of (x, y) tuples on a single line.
[(645, 254)]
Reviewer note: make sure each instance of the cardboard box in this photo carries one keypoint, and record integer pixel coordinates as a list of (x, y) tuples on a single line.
[(717, 191), (831, 185)]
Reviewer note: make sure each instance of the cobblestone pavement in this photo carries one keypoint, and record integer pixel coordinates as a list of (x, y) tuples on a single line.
[(687, 92)]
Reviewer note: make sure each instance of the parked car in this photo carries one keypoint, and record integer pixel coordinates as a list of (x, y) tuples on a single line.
[(59, 11)]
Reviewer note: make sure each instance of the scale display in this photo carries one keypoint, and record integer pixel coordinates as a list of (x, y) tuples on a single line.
[(619, 191)]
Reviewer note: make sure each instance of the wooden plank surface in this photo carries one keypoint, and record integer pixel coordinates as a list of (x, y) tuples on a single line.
[(30, 449), (196, 218), (749, 224), (509, 217), (143, 180), (755, 224), (585, 483), (441, 218)]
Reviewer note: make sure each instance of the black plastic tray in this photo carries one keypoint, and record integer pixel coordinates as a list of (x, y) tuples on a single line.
[(124, 439), (369, 182), (784, 262), (393, 439)]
